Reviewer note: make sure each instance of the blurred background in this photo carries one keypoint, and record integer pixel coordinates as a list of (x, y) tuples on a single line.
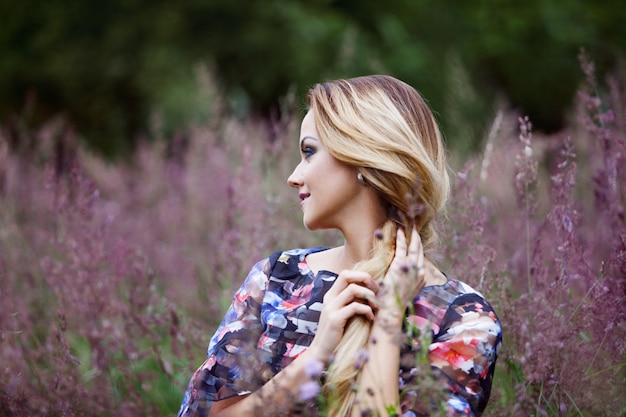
[(113, 68), (144, 151)]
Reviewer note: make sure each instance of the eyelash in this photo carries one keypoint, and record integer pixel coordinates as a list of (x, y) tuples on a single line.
[(308, 151)]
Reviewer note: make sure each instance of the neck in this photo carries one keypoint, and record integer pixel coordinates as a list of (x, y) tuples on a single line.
[(359, 228), (357, 246)]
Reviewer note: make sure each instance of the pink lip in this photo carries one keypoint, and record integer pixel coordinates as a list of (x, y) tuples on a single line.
[(303, 196)]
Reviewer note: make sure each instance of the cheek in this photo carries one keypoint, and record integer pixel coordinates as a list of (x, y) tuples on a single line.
[(313, 171), (343, 174)]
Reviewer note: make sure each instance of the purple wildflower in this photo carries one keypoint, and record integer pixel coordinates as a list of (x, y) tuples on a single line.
[(361, 358), (314, 368), (309, 390)]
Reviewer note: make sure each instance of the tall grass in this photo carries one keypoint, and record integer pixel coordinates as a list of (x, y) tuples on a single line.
[(113, 276), (538, 225)]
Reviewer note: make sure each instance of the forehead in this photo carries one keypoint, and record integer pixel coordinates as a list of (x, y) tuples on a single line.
[(307, 129)]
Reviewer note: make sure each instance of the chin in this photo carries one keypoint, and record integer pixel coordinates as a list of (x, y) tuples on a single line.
[(309, 227), (312, 225)]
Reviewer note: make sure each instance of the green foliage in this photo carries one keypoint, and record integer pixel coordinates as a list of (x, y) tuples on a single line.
[(110, 66)]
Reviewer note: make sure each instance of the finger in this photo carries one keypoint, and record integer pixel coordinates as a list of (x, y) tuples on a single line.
[(415, 242), (354, 300), (354, 292), (363, 310), (416, 250), (400, 242), (348, 277), (353, 309), (365, 295)]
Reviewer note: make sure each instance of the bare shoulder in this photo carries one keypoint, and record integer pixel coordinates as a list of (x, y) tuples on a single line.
[(433, 275)]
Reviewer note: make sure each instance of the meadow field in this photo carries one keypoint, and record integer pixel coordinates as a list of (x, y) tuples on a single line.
[(114, 274)]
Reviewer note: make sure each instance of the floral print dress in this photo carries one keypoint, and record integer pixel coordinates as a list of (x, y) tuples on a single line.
[(273, 319)]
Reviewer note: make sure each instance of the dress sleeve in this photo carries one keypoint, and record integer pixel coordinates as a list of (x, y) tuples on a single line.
[(462, 356), (230, 365)]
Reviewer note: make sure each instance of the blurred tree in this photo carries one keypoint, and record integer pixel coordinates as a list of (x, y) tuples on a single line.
[(110, 65)]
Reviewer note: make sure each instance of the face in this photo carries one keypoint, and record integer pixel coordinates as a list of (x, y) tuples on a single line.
[(328, 189)]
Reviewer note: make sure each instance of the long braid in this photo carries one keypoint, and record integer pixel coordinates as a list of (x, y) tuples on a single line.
[(343, 373)]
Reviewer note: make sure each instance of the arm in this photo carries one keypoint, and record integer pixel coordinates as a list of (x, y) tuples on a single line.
[(281, 394), (378, 383), (221, 375)]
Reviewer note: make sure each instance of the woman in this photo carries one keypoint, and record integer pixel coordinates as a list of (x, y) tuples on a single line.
[(356, 318)]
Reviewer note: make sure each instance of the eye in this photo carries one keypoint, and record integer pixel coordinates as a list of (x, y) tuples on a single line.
[(308, 151)]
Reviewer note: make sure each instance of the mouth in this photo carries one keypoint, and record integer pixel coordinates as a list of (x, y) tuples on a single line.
[(303, 197)]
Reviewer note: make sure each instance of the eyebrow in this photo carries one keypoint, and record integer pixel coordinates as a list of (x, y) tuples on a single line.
[(308, 137)]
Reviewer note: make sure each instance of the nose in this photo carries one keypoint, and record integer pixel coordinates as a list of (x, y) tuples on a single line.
[(295, 179)]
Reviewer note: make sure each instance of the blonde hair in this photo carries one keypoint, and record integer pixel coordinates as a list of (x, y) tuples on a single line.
[(382, 126)]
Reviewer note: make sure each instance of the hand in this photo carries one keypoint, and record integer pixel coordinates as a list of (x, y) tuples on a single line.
[(406, 275), (353, 293)]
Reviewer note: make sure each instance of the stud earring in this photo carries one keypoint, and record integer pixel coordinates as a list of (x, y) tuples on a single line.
[(360, 178)]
